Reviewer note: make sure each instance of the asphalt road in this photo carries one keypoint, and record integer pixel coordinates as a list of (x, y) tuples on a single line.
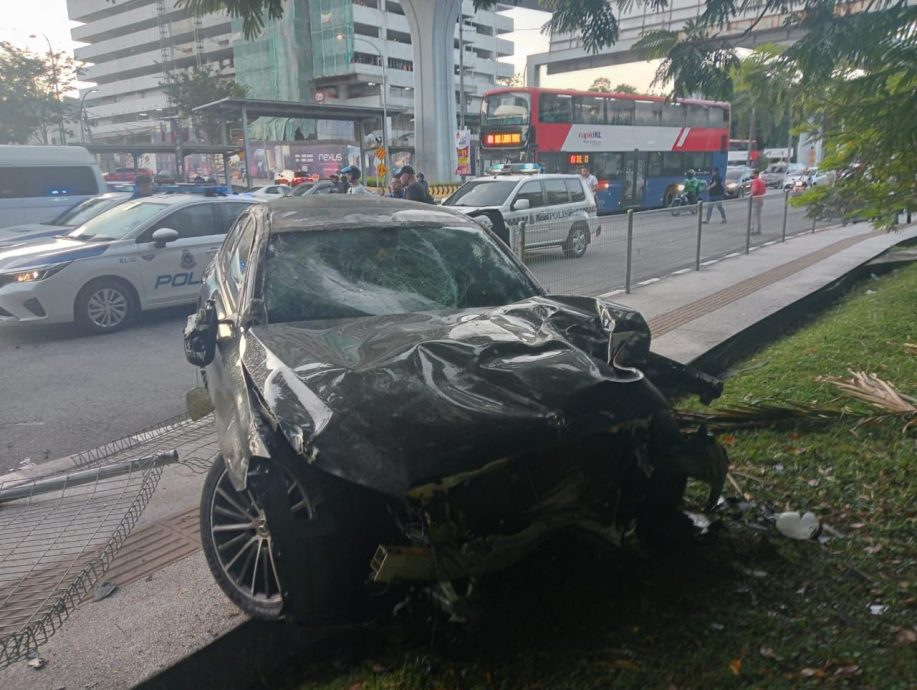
[(662, 245), (62, 391)]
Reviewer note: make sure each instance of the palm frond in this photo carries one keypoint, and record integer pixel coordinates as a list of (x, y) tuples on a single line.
[(893, 406)]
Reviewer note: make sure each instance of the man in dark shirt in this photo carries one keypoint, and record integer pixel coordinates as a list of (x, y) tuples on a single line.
[(716, 191), (413, 190), (143, 186)]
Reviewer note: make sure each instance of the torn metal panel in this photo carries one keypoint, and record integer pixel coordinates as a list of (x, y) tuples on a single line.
[(394, 401)]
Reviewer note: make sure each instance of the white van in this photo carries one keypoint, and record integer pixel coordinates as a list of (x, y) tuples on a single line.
[(38, 183)]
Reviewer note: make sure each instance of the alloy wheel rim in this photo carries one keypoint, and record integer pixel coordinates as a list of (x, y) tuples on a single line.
[(107, 307), (579, 241), (242, 538)]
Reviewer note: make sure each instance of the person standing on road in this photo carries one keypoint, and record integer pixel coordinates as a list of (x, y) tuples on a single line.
[(591, 180), (353, 175), (413, 189), (395, 190), (715, 191), (758, 190), (143, 186)]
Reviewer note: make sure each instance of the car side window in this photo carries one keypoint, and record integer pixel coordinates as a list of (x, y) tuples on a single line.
[(575, 187), (237, 258), (191, 221), (556, 192), (532, 192)]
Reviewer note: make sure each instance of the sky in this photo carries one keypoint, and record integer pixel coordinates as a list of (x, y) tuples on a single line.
[(20, 18)]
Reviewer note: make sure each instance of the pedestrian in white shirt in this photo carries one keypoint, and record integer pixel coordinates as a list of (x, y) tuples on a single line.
[(591, 180)]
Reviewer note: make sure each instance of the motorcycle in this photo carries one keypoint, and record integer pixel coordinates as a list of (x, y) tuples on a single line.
[(682, 202)]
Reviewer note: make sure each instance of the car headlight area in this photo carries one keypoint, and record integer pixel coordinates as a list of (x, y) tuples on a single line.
[(23, 296)]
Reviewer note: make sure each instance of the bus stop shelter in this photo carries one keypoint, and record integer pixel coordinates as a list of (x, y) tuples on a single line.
[(179, 150), (248, 109)]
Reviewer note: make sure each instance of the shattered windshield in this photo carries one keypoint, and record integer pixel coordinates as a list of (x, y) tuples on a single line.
[(380, 271)]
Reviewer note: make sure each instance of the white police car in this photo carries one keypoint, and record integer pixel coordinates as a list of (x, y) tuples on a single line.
[(558, 210), (143, 254)]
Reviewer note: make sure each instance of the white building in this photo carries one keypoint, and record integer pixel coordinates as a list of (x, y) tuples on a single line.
[(132, 42)]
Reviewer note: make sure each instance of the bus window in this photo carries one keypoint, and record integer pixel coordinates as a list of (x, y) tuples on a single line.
[(553, 162), (506, 109), (607, 166), (654, 166), (620, 112), (647, 113), (555, 108), (672, 163), (697, 161), (589, 110), (673, 115), (699, 116)]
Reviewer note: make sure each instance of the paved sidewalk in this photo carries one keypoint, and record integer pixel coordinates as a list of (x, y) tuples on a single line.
[(167, 604)]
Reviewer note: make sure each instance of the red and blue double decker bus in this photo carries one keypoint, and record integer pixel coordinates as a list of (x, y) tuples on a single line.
[(639, 147)]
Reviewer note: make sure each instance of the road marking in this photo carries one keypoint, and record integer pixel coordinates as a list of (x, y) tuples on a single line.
[(729, 256), (678, 273), (710, 263), (650, 281), (612, 293), (768, 244)]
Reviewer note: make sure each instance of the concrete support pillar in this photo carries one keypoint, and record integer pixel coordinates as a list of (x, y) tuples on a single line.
[(432, 25)]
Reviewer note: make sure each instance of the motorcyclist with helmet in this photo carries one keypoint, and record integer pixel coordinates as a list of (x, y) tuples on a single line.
[(693, 187)]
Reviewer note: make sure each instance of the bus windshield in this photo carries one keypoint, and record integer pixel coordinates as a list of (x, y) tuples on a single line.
[(506, 109)]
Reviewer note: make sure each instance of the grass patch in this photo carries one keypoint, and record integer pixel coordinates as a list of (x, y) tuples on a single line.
[(742, 607)]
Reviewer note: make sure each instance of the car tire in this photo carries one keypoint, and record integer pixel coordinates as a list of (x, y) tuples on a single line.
[(577, 241), (105, 305), (232, 522)]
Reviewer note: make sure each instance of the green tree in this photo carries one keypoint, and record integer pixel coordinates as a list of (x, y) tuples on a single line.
[(763, 82), (515, 80), (624, 88), (199, 86), (29, 88), (602, 85)]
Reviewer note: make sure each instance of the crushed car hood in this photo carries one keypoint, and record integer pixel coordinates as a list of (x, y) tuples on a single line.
[(394, 401)]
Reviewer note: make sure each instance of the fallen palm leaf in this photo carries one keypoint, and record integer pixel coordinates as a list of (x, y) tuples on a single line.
[(875, 391)]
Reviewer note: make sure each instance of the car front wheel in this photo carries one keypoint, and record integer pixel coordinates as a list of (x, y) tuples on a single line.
[(242, 553), (105, 306)]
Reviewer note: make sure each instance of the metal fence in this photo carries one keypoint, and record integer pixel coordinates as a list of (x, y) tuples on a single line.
[(639, 248)]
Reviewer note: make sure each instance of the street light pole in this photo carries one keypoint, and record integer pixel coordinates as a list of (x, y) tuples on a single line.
[(84, 123), (60, 104), (378, 52)]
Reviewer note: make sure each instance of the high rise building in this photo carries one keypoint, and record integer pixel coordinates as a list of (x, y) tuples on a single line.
[(320, 51), (133, 47)]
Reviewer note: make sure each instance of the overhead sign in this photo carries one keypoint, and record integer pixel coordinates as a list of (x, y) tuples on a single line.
[(776, 153)]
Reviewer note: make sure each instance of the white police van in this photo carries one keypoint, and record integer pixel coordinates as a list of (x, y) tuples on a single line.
[(143, 254), (558, 210), (39, 183)]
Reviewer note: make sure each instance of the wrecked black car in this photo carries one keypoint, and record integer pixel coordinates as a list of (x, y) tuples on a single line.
[(398, 401)]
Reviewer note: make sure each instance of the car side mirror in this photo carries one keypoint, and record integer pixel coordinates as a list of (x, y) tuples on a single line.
[(200, 335), (521, 204), (163, 236)]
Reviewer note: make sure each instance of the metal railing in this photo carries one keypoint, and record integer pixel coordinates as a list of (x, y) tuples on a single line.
[(626, 250)]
